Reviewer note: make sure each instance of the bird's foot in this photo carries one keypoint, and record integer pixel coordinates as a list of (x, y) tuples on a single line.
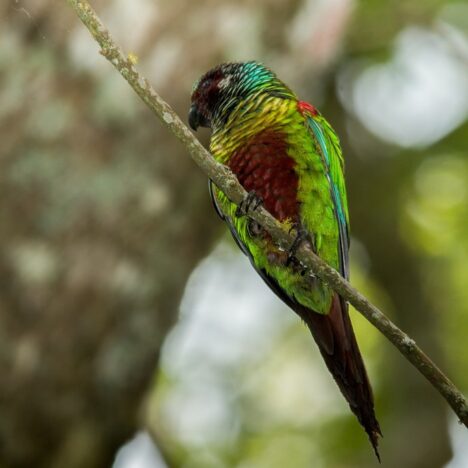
[(302, 235), (249, 204)]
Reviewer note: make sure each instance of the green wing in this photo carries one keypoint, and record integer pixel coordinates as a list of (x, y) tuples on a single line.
[(332, 157)]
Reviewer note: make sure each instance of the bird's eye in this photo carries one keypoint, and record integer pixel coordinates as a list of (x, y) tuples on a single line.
[(206, 84)]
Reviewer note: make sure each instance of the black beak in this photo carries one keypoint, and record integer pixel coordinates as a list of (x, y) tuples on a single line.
[(196, 118)]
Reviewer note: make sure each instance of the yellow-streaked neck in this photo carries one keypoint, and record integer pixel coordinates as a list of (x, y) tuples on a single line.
[(253, 116)]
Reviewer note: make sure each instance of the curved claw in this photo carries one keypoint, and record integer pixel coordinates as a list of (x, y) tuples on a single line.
[(302, 235), (250, 203)]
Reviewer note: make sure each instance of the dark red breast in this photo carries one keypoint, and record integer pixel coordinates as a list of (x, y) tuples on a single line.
[(264, 166)]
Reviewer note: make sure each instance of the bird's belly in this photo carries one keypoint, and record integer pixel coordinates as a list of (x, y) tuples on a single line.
[(263, 165)]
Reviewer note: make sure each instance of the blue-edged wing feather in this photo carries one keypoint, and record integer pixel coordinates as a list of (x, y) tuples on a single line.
[(330, 151)]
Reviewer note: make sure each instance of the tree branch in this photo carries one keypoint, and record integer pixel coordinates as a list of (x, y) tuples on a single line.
[(228, 183)]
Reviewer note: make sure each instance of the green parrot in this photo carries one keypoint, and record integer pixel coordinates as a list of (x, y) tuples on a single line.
[(287, 156)]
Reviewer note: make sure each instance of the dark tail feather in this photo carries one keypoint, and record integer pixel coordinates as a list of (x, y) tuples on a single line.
[(335, 338)]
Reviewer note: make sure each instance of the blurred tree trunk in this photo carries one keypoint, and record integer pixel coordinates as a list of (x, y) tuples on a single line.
[(102, 219), (84, 311)]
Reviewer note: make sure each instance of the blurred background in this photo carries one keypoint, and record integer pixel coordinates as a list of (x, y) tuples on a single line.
[(133, 333)]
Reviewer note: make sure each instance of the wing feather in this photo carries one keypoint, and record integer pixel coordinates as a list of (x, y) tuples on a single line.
[(329, 146)]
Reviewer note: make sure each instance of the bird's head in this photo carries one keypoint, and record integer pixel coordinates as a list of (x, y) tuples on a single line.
[(218, 92)]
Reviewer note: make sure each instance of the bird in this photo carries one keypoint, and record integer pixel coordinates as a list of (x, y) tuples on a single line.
[(288, 158)]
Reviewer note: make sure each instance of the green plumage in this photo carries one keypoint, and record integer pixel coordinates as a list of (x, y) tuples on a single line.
[(254, 115), (286, 152)]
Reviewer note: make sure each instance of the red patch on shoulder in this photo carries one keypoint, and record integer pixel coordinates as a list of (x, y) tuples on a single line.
[(305, 107), (263, 165)]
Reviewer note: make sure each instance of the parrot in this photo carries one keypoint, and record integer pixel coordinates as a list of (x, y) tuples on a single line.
[(288, 158)]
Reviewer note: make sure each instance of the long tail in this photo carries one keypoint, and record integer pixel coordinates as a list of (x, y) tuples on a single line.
[(335, 338)]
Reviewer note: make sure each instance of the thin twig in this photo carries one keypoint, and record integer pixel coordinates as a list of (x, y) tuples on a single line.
[(228, 183)]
